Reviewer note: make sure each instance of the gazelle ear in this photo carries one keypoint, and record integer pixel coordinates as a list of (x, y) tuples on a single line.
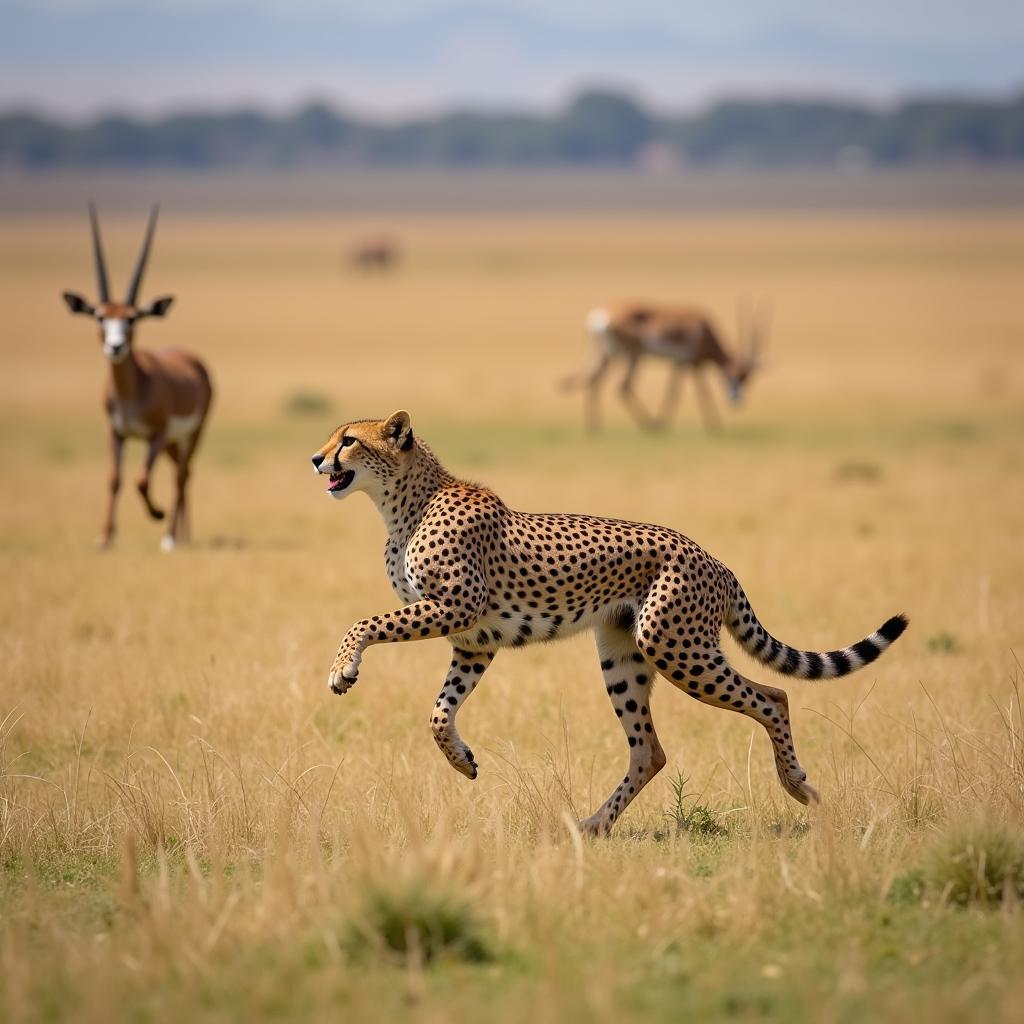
[(397, 431), (158, 307), (77, 304)]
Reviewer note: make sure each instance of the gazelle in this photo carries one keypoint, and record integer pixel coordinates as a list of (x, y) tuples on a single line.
[(374, 254), (160, 397), (630, 332)]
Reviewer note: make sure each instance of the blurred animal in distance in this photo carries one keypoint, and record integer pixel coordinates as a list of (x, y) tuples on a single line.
[(374, 254), (161, 397), (627, 333)]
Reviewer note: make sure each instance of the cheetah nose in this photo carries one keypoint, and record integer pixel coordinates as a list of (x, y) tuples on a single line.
[(317, 459)]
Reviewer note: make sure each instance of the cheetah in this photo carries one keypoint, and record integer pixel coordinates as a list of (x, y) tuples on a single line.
[(469, 568)]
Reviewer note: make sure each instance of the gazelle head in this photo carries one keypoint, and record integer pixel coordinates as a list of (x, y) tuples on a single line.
[(117, 319), (752, 330)]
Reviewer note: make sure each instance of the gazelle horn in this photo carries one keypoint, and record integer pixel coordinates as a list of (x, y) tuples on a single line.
[(97, 255), (140, 266)]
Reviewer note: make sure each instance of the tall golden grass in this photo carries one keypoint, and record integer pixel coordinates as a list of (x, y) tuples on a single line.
[(192, 827)]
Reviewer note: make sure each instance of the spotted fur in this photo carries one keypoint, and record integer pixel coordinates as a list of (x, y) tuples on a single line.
[(469, 568)]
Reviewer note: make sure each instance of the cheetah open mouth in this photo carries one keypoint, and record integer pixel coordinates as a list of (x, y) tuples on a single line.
[(339, 481)]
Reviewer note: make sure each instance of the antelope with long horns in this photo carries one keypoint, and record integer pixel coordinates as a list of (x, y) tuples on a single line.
[(631, 332), (161, 397)]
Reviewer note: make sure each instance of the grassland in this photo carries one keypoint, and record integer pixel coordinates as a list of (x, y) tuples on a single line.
[(192, 828)]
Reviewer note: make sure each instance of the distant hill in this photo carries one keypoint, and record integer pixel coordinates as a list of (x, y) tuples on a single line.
[(597, 128)]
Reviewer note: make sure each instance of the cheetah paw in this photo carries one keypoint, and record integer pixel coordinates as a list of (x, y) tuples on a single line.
[(801, 791), (807, 794), (593, 827), (458, 755), (343, 677), (462, 761)]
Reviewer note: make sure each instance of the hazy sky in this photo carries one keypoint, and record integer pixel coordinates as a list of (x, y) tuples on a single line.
[(78, 57)]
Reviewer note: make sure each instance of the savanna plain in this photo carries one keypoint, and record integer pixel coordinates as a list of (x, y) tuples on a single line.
[(193, 828)]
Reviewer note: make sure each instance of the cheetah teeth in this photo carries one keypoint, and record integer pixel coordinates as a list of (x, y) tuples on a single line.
[(339, 481)]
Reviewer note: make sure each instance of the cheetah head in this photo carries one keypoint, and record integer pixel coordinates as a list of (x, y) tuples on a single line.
[(365, 454)]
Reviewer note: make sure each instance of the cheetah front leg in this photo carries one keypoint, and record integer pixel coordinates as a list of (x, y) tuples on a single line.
[(627, 679), (463, 675), (454, 609)]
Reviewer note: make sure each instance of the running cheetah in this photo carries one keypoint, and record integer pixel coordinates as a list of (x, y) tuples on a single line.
[(469, 568)]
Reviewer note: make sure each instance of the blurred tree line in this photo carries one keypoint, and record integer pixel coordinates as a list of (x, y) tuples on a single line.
[(598, 127)]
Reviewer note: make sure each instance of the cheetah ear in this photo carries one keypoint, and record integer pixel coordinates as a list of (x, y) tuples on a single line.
[(397, 430)]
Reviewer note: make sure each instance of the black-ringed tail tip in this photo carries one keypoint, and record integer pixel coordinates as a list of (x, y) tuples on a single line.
[(789, 661)]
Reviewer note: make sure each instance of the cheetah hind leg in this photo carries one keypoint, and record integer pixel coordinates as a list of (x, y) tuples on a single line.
[(464, 673), (709, 678), (627, 681), (791, 775)]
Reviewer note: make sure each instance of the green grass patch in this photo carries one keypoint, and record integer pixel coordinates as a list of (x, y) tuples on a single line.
[(943, 642), (978, 863), (417, 919), (689, 815), (858, 471), (307, 403)]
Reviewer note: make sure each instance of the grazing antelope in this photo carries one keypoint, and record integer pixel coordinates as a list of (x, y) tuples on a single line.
[(630, 332), (374, 254), (160, 397)]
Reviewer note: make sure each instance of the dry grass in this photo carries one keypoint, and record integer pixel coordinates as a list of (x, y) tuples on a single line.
[(192, 828)]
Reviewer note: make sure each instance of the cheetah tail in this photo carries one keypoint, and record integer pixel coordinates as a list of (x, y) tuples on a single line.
[(745, 628)]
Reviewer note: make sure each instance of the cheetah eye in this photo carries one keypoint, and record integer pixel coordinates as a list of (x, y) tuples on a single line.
[(346, 441)]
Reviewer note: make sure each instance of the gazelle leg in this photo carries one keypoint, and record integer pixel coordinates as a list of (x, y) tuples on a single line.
[(672, 392), (116, 452), (707, 406), (156, 446), (463, 675), (627, 678), (179, 529), (178, 455), (629, 399), (184, 530), (592, 395), (582, 376), (185, 523)]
